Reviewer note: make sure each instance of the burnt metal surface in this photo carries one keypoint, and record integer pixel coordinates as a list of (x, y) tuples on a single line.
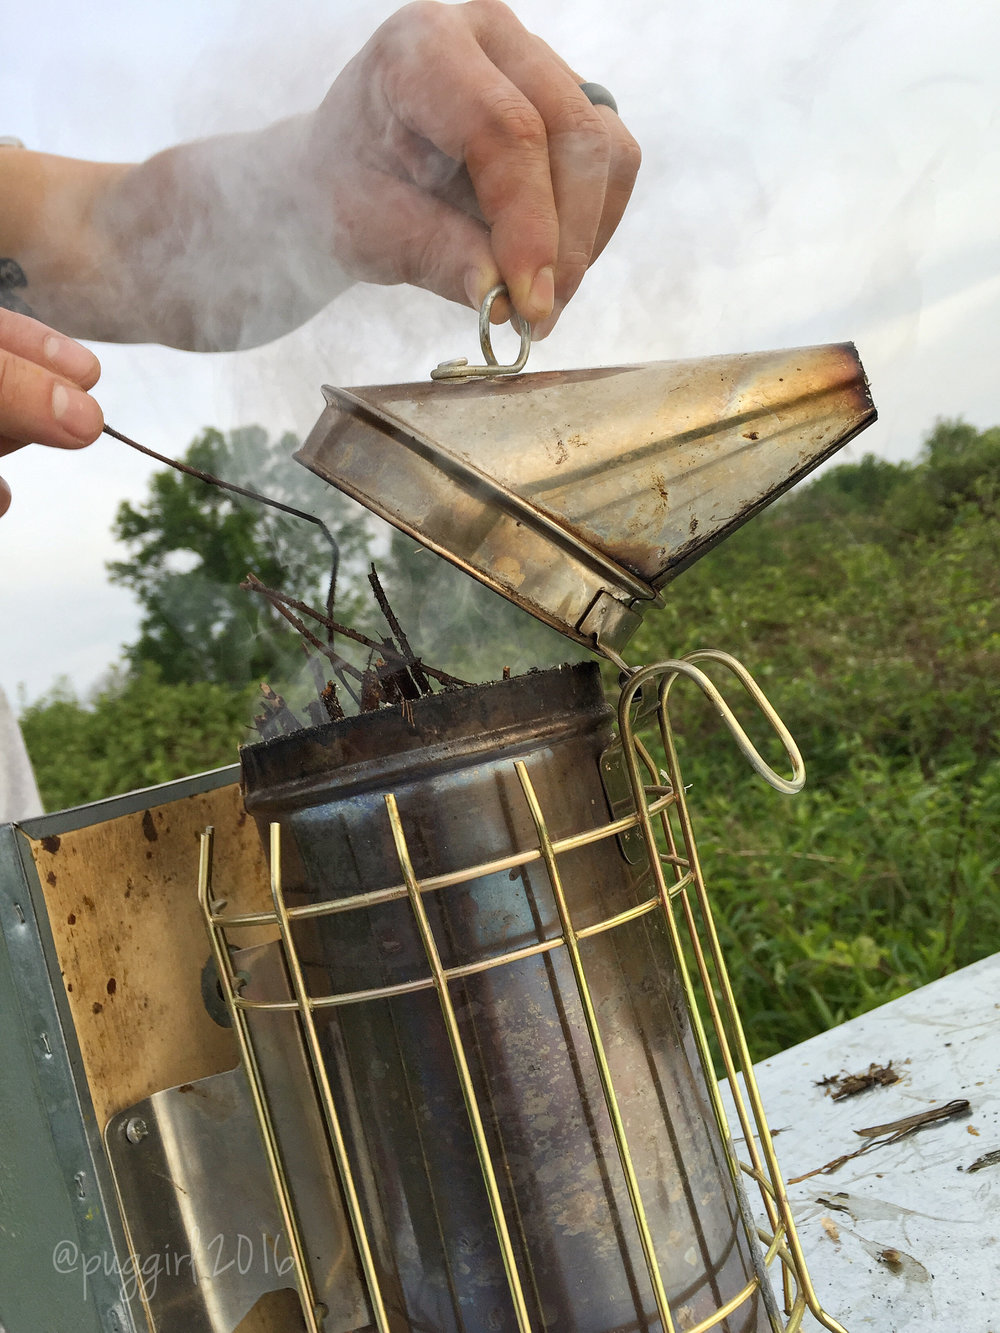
[(580, 494), (440, 730), (532, 1063)]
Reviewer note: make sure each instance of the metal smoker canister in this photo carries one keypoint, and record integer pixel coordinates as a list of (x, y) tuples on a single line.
[(565, 1205)]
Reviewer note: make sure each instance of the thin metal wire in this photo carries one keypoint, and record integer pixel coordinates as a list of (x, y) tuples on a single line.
[(262, 1110), (459, 368), (374, 897), (572, 941), (460, 969), (725, 1015), (462, 1067), (248, 494), (327, 1104)]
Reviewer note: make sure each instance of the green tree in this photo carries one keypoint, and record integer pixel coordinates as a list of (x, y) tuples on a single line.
[(136, 731), (191, 543)]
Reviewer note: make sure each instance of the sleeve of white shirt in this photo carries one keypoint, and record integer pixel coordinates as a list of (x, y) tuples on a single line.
[(19, 798)]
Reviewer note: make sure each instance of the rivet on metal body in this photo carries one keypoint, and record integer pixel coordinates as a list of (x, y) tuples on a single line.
[(136, 1130)]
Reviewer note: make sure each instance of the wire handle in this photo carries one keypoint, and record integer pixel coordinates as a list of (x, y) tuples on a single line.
[(668, 672), (460, 370)]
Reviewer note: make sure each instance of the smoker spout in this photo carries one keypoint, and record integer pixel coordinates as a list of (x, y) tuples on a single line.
[(580, 494)]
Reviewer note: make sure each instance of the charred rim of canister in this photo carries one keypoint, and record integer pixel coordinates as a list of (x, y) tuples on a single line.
[(449, 728)]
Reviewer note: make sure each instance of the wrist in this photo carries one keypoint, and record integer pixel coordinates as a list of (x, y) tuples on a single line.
[(221, 242)]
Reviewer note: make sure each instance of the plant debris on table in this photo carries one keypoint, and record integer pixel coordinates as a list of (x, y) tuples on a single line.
[(879, 1136), (840, 1086)]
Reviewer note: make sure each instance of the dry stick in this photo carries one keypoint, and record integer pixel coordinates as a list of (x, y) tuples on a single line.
[(340, 665), (879, 1136), (278, 709), (250, 495), (422, 683), (253, 584)]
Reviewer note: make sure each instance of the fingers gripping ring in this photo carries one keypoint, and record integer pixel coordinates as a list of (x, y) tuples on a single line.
[(460, 369)]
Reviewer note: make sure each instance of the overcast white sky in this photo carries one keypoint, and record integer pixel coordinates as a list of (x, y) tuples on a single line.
[(815, 170)]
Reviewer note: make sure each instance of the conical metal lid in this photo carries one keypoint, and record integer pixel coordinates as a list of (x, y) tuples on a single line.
[(579, 494)]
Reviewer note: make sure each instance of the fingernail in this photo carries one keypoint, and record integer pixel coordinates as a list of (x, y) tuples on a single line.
[(543, 293), (77, 413), (70, 358), (477, 283)]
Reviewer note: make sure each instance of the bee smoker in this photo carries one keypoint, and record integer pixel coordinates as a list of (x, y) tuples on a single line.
[(482, 898), (460, 1068)]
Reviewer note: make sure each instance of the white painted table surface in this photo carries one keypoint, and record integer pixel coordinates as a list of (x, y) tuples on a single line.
[(914, 1196)]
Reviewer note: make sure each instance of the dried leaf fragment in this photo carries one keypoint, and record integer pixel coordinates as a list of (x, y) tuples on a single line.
[(987, 1159), (849, 1085)]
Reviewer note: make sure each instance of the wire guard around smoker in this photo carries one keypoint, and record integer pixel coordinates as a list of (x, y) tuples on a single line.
[(660, 817)]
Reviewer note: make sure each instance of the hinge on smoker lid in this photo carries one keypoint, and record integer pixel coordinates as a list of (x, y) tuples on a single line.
[(618, 790), (609, 624)]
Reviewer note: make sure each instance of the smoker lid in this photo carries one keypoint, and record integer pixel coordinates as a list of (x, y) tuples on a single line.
[(579, 494)]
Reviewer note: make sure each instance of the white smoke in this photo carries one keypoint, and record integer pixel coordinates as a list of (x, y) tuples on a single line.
[(812, 173)]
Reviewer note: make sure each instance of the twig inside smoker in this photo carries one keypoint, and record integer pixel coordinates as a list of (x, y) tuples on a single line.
[(277, 719), (253, 584), (340, 664), (278, 709), (423, 685), (879, 1136), (250, 495)]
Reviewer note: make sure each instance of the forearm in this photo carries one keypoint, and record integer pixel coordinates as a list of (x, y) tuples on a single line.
[(208, 246)]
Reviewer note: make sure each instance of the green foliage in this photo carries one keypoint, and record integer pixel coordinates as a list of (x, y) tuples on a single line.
[(192, 543), (139, 730), (852, 893), (877, 638)]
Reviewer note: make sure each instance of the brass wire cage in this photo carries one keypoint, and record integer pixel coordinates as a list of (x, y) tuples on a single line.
[(657, 826)]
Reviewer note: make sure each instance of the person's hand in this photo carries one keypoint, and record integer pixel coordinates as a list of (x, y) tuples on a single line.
[(457, 151), (43, 379)]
